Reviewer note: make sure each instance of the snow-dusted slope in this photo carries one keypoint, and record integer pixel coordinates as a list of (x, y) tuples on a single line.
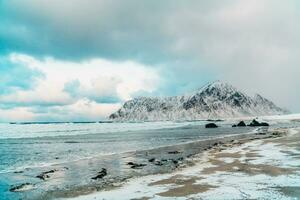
[(215, 100)]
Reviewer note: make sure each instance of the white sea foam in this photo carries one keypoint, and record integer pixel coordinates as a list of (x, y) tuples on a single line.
[(41, 130)]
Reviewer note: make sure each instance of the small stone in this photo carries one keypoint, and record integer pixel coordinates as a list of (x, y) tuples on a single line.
[(45, 175), (173, 152), (21, 188)]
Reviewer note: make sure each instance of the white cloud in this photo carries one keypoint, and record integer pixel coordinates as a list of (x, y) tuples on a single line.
[(98, 74), (16, 114), (97, 78), (84, 109)]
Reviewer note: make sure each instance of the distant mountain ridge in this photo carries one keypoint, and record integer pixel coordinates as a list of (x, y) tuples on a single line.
[(215, 100)]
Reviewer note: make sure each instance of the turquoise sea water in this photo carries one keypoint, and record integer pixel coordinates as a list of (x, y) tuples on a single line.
[(35, 145)]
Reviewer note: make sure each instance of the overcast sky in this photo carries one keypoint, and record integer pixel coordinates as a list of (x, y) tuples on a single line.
[(80, 60)]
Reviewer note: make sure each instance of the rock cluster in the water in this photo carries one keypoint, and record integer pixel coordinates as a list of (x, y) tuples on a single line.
[(253, 123), (211, 125), (256, 123), (240, 124)]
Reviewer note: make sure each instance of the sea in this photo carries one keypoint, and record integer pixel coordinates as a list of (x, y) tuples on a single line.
[(39, 144)]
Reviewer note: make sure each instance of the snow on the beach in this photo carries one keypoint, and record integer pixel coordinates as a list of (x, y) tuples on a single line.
[(241, 186), (226, 184), (261, 186)]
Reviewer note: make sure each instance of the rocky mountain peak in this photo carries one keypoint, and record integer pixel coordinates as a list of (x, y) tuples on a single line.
[(217, 99)]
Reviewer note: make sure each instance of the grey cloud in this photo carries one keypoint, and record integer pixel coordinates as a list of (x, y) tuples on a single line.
[(252, 44), (15, 76)]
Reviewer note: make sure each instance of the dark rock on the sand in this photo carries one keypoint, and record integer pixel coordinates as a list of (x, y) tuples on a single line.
[(135, 165), (22, 187), (138, 166), (18, 172), (158, 163), (173, 152), (100, 174), (211, 125), (175, 162), (234, 125), (130, 163), (216, 144), (256, 123), (45, 175), (151, 160), (261, 133)]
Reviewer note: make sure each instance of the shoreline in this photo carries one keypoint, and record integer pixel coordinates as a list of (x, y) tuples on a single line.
[(222, 158), (47, 165), (160, 160), (165, 162)]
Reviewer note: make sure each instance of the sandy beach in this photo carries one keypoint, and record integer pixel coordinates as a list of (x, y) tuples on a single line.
[(251, 168)]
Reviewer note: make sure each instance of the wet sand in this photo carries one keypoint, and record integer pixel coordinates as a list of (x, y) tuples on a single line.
[(258, 167)]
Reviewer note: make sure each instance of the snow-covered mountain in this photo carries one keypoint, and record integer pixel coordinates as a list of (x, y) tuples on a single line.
[(213, 101)]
